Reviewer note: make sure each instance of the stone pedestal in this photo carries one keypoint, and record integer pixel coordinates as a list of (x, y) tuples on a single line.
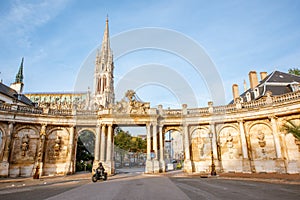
[(4, 166), (188, 166), (246, 166), (162, 166), (152, 166)]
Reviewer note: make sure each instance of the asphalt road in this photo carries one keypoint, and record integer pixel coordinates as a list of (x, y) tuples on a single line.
[(136, 185)]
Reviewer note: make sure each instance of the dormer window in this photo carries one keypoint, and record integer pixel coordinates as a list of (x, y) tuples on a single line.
[(248, 96), (295, 86), (256, 93)]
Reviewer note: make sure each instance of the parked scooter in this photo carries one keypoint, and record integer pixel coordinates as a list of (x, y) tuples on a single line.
[(99, 175)]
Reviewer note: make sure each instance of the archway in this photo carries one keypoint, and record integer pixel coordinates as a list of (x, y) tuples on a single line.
[(85, 151), (173, 148)]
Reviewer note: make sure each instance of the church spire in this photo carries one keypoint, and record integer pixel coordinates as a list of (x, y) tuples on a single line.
[(103, 77), (19, 76)]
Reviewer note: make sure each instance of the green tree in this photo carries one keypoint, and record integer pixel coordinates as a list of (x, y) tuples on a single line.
[(85, 151), (294, 71), (293, 128), (125, 141)]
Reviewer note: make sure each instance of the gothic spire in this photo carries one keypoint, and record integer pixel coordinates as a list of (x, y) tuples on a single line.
[(105, 48), (19, 76)]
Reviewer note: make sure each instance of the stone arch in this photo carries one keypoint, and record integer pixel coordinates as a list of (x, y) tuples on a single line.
[(175, 145)]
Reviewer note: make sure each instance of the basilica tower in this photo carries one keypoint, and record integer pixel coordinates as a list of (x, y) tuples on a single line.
[(103, 76)]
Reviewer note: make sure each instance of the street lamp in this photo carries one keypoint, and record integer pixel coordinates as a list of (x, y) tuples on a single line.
[(213, 167)]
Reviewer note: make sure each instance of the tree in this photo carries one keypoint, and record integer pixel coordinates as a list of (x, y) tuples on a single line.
[(85, 151), (293, 128), (294, 71)]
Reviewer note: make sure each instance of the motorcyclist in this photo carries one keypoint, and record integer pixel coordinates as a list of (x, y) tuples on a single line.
[(100, 168)]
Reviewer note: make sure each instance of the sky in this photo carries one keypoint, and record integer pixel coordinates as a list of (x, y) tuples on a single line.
[(57, 39)]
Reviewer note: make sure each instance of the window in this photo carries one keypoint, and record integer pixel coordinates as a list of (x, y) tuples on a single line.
[(248, 96)]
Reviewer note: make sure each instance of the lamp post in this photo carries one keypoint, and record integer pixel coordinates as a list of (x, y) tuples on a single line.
[(213, 167)]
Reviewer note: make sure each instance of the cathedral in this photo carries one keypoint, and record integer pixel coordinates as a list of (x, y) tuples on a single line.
[(39, 131)]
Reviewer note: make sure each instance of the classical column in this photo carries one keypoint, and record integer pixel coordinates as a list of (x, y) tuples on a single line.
[(109, 143), (276, 137), (39, 166), (243, 139), (154, 129), (70, 154), (148, 141), (161, 149), (214, 140), (161, 144), (186, 142), (102, 152), (97, 144), (8, 141)]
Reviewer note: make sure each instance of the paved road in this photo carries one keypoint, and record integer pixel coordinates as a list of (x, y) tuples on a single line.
[(136, 185)]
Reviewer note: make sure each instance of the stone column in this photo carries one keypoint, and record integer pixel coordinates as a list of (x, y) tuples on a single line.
[(214, 146), (148, 141), (109, 143), (246, 162), (280, 165), (39, 167), (243, 139), (70, 154), (149, 163), (276, 137), (97, 144), (161, 152), (4, 165), (154, 132), (187, 160), (102, 151), (7, 142)]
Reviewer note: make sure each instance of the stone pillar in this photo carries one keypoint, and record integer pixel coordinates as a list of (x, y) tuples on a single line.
[(97, 144), (280, 165), (70, 168), (102, 151), (8, 141), (148, 141), (109, 143), (187, 160), (276, 137), (214, 146), (155, 149), (161, 150), (246, 162), (4, 165), (39, 167), (149, 163)]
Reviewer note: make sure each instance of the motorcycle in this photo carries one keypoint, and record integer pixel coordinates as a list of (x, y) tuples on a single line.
[(99, 175)]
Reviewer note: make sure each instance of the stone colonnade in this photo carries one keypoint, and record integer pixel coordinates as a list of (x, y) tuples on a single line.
[(104, 147)]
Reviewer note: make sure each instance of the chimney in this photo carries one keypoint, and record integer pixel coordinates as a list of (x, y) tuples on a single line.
[(253, 79), (263, 75), (235, 91)]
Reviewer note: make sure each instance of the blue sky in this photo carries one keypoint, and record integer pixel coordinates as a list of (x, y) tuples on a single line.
[(56, 37)]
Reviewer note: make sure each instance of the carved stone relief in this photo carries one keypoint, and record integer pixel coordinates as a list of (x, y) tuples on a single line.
[(200, 145), (230, 144), (262, 142), (56, 146)]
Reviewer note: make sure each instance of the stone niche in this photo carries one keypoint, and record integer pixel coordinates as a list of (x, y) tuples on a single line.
[(24, 150), (263, 148), (230, 149), (56, 151)]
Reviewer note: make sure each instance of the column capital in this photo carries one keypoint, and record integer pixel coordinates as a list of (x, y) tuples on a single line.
[(272, 117), (240, 121)]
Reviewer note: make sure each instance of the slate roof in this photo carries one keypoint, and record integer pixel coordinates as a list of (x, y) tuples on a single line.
[(7, 91), (277, 82)]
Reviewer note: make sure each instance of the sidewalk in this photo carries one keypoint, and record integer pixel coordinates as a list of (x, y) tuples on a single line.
[(29, 181)]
